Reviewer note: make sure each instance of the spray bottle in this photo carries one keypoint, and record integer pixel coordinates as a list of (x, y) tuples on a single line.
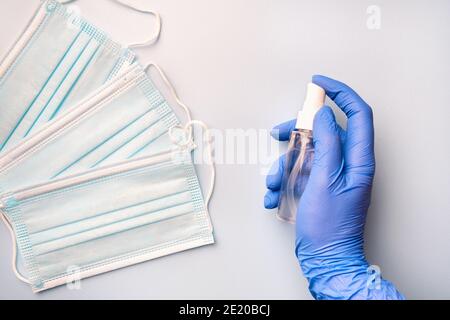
[(299, 156)]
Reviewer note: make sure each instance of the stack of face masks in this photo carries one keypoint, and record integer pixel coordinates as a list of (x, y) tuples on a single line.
[(95, 171)]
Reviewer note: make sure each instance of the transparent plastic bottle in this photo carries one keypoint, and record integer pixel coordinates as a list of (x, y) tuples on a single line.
[(297, 169), (299, 156)]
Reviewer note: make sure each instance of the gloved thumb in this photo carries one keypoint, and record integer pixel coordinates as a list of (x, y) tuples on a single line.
[(327, 146)]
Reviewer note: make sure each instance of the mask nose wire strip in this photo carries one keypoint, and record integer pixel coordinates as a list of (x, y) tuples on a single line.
[(190, 123), (145, 43), (14, 253)]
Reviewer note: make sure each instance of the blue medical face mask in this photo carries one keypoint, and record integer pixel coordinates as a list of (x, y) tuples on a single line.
[(126, 118), (75, 225), (58, 60), (157, 208)]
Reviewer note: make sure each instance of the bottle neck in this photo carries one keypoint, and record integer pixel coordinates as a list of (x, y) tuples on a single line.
[(303, 136)]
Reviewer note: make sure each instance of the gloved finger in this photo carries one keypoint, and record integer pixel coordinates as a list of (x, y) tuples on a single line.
[(359, 148), (271, 199), (275, 175), (342, 134), (282, 132), (327, 162)]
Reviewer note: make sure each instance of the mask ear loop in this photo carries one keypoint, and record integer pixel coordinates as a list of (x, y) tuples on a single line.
[(145, 43), (14, 253), (209, 142), (188, 128)]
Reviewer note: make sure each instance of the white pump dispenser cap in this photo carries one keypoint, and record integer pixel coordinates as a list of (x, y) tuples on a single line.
[(315, 98)]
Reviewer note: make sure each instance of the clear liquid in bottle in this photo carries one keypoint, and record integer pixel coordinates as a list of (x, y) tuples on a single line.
[(299, 158)]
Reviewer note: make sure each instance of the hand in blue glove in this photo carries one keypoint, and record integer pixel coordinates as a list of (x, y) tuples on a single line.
[(332, 211)]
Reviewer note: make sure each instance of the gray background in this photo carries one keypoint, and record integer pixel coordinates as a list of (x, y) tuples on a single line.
[(244, 64)]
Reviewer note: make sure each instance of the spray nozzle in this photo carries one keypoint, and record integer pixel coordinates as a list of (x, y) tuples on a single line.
[(315, 98)]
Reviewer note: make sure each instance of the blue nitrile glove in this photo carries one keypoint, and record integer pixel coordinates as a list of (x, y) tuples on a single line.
[(332, 211)]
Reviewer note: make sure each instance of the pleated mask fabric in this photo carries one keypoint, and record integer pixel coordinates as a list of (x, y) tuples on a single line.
[(94, 174), (108, 218), (124, 119), (58, 60)]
